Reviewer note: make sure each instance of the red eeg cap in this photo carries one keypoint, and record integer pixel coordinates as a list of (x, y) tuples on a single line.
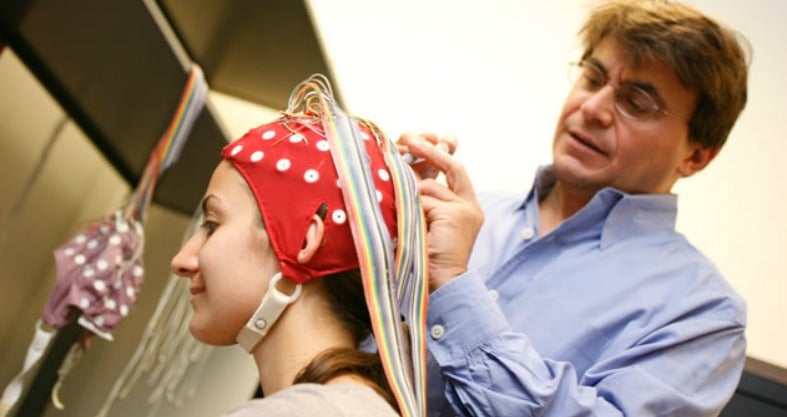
[(288, 166)]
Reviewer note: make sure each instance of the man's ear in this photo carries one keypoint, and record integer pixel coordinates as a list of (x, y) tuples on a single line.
[(697, 160), (313, 239)]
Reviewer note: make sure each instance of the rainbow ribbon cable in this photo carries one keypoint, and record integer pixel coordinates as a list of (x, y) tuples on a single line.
[(164, 155), (169, 146), (166, 349), (392, 283), (411, 263)]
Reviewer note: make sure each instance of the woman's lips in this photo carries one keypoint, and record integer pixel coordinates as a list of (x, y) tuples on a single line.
[(197, 290)]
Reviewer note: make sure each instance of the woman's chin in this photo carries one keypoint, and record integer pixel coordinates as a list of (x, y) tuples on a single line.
[(208, 336)]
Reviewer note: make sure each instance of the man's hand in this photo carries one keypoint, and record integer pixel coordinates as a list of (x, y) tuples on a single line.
[(453, 214), (422, 168)]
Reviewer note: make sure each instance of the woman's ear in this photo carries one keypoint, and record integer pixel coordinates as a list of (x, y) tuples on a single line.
[(313, 239)]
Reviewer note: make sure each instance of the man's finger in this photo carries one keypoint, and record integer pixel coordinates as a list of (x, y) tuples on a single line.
[(456, 176)]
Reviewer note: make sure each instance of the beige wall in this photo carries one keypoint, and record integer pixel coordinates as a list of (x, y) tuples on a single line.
[(74, 186)]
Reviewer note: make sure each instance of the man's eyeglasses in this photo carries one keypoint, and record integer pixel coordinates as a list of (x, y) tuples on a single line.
[(631, 100)]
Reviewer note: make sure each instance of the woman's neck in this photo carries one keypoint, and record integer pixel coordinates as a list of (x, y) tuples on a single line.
[(304, 330)]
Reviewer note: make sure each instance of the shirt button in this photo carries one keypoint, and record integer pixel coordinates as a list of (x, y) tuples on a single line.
[(437, 332), (494, 295), (528, 233)]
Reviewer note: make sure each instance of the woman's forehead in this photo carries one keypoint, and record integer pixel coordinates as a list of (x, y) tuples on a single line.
[(228, 186)]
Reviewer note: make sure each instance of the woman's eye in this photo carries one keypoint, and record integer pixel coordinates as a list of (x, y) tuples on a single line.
[(209, 227)]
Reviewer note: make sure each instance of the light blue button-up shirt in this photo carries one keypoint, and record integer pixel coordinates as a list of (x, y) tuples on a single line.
[(613, 313)]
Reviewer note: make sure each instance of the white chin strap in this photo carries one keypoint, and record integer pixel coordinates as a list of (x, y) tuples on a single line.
[(271, 307)]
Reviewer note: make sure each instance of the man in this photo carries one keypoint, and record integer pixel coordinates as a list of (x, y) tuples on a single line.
[(580, 298)]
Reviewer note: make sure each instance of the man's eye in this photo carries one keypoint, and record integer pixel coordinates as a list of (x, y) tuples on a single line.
[(593, 79), (637, 102)]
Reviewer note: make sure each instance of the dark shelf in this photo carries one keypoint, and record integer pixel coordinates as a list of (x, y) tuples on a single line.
[(115, 73)]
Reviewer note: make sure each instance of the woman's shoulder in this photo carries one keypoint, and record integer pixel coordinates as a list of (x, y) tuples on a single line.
[(345, 400)]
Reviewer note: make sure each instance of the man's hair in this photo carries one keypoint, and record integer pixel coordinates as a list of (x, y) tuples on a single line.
[(706, 56)]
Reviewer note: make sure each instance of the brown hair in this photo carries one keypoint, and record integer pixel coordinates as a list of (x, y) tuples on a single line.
[(705, 56), (346, 299)]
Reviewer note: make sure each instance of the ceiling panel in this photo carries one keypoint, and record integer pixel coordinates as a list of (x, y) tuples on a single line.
[(254, 50)]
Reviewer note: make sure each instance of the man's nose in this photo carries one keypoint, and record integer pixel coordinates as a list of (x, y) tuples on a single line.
[(600, 105)]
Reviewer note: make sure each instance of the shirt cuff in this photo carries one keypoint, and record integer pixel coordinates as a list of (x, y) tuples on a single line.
[(462, 316)]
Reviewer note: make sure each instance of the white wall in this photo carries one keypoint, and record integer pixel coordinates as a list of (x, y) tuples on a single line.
[(493, 73)]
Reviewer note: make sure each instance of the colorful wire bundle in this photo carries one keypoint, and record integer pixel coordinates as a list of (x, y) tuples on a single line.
[(392, 283), (166, 350), (169, 146)]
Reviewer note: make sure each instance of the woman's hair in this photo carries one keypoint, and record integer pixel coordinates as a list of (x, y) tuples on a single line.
[(707, 57), (290, 169), (344, 292)]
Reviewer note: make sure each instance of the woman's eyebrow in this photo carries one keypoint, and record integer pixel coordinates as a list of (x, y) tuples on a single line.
[(206, 203)]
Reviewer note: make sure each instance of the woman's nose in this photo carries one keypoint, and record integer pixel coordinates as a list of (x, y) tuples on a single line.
[(185, 262)]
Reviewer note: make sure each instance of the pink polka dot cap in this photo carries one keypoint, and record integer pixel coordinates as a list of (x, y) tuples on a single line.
[(100, 273), (287, 164)]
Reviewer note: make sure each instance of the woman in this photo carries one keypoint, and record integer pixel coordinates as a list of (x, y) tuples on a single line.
[(274, 221)]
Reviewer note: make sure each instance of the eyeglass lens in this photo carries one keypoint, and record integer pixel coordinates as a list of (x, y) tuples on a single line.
[(630, 100)]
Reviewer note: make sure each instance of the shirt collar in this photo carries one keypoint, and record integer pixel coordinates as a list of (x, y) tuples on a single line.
[(611, 213)]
